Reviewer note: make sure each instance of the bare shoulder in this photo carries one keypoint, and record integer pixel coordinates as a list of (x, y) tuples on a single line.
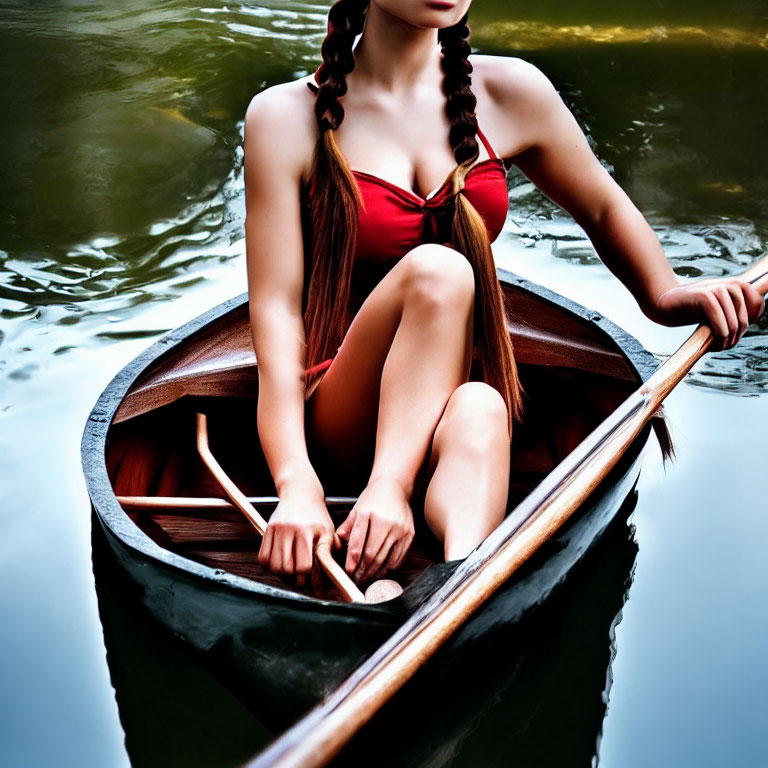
[(507, 80), (280, 128), (514, 100)]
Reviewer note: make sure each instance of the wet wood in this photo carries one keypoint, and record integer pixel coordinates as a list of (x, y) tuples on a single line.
[(321, 734)]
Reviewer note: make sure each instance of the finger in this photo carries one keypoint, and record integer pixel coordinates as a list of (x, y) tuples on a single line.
[(399, 552), (357, 538), (276, 559), (378, 532), (373, 570), (726, 303), (384, 564), (302, 554), (265, 550), (715, 319), (344, 529), (301, 580), (387, 566), (287, 551), (740, 305), (754, 299)]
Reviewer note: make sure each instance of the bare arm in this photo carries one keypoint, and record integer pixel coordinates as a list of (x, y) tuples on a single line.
[(275, 260), (555, 155)]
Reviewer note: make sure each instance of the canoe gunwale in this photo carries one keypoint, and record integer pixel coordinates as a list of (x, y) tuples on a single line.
[(117, 523)]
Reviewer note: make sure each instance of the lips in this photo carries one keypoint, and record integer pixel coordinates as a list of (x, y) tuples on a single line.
[(439, 5)]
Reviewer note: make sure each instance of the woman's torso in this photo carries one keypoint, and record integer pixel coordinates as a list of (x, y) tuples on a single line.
[(393, 220)]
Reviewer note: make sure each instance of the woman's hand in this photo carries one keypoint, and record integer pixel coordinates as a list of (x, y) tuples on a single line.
[(299, 522), (379, 530), (726, 305)]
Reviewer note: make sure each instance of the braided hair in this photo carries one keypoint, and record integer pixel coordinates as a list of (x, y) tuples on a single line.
[(335, 198), (335, 202), (469, 235)]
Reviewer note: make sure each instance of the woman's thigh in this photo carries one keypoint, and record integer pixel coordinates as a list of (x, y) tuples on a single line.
[(343, 411)]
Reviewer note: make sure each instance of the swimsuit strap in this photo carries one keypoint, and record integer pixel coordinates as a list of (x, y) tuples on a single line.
[(487, 144)]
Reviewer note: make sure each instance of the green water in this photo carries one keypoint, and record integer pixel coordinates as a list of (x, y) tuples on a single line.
[(121, 216)]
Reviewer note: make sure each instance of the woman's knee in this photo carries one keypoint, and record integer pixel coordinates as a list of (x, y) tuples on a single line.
[(476, 414), (438, 276)]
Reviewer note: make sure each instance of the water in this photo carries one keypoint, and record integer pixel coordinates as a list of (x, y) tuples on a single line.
[(121, 216)]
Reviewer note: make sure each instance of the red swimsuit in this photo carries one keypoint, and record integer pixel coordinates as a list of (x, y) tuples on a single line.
[(394, 220)]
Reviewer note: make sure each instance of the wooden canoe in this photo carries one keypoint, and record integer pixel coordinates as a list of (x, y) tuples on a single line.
[(548, 673), (194, 563)]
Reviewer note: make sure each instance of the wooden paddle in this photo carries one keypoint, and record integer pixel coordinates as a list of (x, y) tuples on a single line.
[(335, 572), (318, 736)]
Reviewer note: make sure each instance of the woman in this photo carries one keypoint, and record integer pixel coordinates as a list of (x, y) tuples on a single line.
[(389, 396)]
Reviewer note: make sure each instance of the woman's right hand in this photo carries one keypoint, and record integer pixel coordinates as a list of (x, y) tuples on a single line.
[(299, 522)]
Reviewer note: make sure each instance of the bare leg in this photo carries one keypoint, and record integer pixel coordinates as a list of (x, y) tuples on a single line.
[(407, 350), (467, 494)]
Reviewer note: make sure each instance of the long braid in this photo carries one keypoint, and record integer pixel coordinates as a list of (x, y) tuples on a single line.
[(460, 101), (469, 233), (335, 198), (335, 202)]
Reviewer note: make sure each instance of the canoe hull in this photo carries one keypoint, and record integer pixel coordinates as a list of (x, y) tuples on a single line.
[(290, 649), (258, 643)]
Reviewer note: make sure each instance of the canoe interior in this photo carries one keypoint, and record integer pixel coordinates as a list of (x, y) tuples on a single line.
[(574, 373), (219, 360), (153, 454)]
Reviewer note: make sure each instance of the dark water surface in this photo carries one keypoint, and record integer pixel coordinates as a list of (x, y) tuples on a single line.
[(121, 216)]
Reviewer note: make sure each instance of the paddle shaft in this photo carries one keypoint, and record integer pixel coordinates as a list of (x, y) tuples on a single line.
[(333, 570), (319, 736)]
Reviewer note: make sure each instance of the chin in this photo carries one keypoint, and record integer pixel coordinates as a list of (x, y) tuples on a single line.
[(425, 14)]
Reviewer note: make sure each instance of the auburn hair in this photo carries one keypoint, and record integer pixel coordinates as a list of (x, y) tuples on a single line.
[(335, 202)]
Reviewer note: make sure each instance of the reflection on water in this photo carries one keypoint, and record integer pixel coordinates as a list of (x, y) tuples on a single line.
[(174, 713), (533, 694), (121, 211), (122, 166), (531, 35)]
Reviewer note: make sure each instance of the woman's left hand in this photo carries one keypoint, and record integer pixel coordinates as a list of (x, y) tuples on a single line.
[(379, 530), (726, 305)]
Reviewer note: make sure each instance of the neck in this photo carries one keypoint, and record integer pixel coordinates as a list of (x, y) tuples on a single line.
[(394, 54)]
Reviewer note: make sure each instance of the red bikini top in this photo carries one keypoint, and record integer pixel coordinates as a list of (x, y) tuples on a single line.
[(393, 220)]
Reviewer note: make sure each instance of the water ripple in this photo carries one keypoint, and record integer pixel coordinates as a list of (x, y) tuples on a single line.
[(122, 183), (717, 248)]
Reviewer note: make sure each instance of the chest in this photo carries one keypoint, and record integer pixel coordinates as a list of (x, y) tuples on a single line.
[(410, 151), (393, 220)]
